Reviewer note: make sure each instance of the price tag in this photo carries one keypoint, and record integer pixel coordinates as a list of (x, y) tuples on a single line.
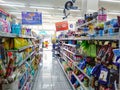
[(114, 44), (100, 42), (95, 42), (106, 43)]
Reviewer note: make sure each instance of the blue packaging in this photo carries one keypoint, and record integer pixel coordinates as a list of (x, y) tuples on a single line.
[(100, 32), (110, 31)]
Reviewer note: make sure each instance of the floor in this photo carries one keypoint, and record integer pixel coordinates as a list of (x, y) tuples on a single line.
[(50, 76)]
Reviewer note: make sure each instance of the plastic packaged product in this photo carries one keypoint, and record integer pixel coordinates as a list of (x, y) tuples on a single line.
[(19, 57), (73, 79), (16, 29), (28, 32), (103, 77), (17, 43), (86, 82), (23, 31)]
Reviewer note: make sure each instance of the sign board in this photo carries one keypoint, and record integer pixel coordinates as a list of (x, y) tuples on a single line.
[(61, 26), (32, 18)]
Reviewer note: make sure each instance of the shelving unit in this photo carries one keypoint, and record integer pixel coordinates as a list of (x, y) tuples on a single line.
[(77, 66), (22, 49), (85, 88), (113, 38)]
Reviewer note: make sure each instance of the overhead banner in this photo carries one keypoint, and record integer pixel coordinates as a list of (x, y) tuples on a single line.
[(32, 18), (61, 26)]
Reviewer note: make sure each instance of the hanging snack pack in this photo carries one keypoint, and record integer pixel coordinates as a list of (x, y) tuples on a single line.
[(108, 56), (104, 74)]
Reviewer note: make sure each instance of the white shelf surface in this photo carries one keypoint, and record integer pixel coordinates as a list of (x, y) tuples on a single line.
[(23, 48), (66, 75), (71, 45), (85, 88), (12, 35), (69, 51), (83, 72)]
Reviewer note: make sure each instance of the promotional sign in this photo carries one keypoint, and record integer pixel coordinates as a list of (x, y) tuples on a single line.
[(61, 26), (32, 18)]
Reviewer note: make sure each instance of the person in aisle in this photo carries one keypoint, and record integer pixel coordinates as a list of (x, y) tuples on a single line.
[(46, 44)]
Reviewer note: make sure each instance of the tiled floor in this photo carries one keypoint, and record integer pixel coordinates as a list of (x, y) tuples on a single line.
[(51, 76)]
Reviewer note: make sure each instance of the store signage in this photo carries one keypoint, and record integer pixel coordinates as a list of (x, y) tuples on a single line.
[(61, 26), (32, 18)]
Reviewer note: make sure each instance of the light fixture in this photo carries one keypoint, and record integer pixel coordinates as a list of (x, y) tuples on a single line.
[(15, 12), (116, 1), (2, 1), (76, 10), (37, 7), (12, 5), (49, 8), (114, 13)]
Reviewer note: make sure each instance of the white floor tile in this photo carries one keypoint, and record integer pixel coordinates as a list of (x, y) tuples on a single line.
[(51, 77)]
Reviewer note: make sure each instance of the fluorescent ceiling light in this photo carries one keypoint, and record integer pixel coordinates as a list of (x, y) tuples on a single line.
[(12, 5), (114, 13), (15, 12), (75, 10), (40, 7), (2, 1), (116, 1)]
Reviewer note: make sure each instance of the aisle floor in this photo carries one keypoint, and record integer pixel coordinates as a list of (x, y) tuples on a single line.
[(50, 76)]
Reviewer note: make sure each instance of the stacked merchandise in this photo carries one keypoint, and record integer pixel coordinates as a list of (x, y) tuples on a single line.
[(19, 55), (90, 59)]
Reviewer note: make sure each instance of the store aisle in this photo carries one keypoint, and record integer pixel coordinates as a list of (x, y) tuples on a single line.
[(51, 76)]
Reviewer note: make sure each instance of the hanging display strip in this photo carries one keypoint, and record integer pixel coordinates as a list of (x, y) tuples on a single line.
[(32, 18), (61, 26)]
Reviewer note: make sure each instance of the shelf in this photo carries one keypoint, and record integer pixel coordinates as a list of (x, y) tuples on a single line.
[(114, 37), (26, 59), (69, 45), (21, 49), (24, 83), (68, 57), (69, 51), (25, 36), (66, 39), (85, 88), (77, 66), (106, 37), (83, 72), (12, 35), (66, 75)]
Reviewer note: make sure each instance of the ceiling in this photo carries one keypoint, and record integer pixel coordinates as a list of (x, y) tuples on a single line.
[(53, 9)]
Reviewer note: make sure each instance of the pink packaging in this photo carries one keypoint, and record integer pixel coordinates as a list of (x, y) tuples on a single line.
[(5, 25), (102, 17)]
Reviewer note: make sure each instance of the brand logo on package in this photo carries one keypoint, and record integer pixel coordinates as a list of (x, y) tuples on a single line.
[(61, 26), (32, 18)]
